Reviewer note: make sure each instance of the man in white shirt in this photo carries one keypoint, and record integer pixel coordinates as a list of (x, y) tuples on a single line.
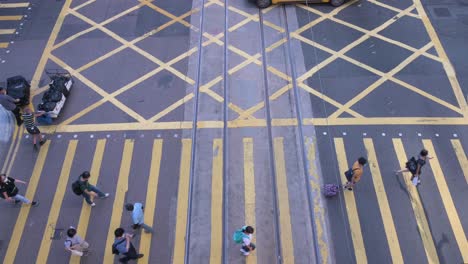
[(74, 243), (247, 245)]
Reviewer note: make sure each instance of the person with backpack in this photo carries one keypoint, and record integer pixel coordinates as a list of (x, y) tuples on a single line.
[(137, 217), (30, 125), (123, 246), (353, 175), (84, 188), (74, 243), (9, 191), (414, 166), (244, 236)]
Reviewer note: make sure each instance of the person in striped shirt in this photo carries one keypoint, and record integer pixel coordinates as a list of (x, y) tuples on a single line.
[(29, 123)]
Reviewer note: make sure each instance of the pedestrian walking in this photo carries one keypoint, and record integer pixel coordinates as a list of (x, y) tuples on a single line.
[(414, 166), (9, 191), (75, 244), (138, 217), (84, 188), (123, 246), (30, 124), (353, 175), (9, 103), (244, 236)]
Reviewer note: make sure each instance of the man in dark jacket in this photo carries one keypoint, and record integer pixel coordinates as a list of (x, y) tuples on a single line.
[(8, 103)]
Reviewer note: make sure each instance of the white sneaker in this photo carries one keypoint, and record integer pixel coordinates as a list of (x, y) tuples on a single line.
[(93, 204), (244, 252)]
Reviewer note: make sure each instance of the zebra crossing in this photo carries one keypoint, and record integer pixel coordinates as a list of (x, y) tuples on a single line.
[(11, 15), (375, 223)]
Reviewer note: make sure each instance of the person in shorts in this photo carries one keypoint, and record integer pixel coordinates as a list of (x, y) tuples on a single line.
[(30, 125), (354, 174), (420, 162)]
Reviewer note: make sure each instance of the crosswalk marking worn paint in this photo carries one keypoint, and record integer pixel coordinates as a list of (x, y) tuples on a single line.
[(14, 5), (216, 250), (4, 45), (120, 192), (44, 249), (384, 206), (249, 191), (457, 147), (85, 208), (7, 31), (24, 212), (182, 203), (319, 212), (287, 245), (10, 18), (447, 200), (419, 214), (350, 202), (151, 194)]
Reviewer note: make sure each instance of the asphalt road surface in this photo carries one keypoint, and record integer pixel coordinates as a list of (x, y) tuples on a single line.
[(217, 115)]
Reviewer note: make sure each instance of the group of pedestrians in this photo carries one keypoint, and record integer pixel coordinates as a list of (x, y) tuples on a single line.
[(413, 165), (28, 117)]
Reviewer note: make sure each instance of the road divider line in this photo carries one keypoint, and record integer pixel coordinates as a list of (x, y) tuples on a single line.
[(7, 31), (461, 156), (319, 211), (350, 202), (384, 206), (151, 195), (44, 249), (24, 212), (85, 214), (447, 200), (14, 5), (419, 214), (287, 245), (9, 158), (120, 192), (182, 203), (216, 248), (249, 191), (10, 18), (4, 45)]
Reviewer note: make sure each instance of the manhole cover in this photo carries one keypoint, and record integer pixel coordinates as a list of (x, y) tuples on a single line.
[(442, 12), (57, 234)]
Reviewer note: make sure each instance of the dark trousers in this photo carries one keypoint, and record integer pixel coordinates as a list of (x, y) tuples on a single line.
[(131, 254), (17, 114), (246, 249)]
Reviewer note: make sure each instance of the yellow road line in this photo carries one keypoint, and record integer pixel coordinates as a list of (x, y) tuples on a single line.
[(445, 60), (4, 45), (82, 227), (319, 212), (15, 151), (216, 248), (419, 214), (287, 245), (449, 206), (10, 149), (120, 192), (24, 212), (151, 194), (458, 148), (44, 249), (14, 5), (7, 31), (10, 18), (182, 203), (249, 191), (350, 201), (385, 212)]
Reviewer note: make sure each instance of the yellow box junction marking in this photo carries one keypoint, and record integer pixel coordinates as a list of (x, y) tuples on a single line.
[(350, 202), (182, 203), (249, 191), (419, 214), (151, 195), (319, 212), (447, 200), (24, 212), (120, 192), (44, 249), (216, 249), (457, 147), (385, 212), (287, 245), (85, 214)]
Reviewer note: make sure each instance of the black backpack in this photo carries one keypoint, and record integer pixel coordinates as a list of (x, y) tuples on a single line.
[(114, 247), (76, 188), (412, 165)]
